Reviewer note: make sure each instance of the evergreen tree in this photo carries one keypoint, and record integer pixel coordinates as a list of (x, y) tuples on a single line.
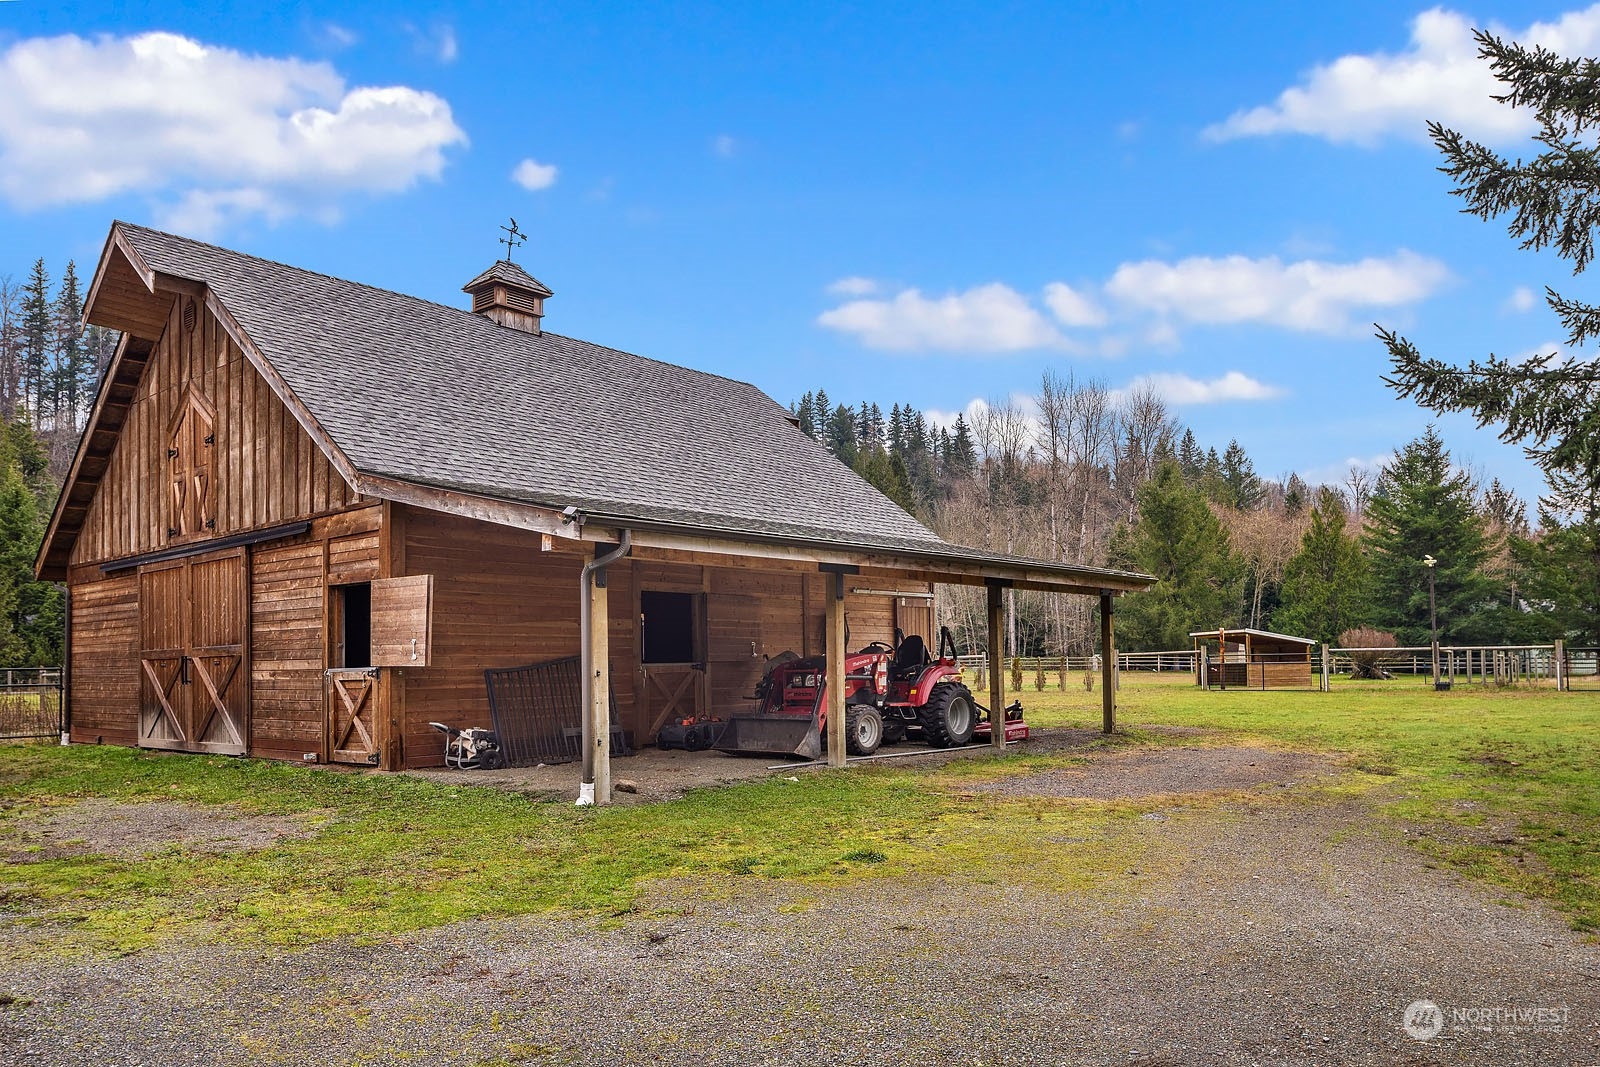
[(1242, 489), (1561, 565), (1325, 589), (1551, 407), (803, 412), (73, 375), (841, 436), (961, 455), (1422, 508), (31, 612), (38, 334), (1180, 541), (888, 474), (1295, 495), (1190, 458)]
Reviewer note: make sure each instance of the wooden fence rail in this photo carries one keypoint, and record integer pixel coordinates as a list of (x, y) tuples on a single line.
[(30, 703)]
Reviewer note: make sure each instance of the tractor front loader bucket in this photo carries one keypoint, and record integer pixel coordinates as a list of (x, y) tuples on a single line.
[(772, 735)]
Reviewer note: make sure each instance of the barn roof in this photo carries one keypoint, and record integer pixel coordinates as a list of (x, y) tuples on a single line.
[(407, 393)]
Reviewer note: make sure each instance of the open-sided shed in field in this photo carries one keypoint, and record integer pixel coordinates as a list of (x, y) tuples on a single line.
[(307, 514), (1252, 659)]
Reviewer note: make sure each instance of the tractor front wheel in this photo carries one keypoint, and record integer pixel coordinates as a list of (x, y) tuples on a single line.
[(948, 718), (863, 729)]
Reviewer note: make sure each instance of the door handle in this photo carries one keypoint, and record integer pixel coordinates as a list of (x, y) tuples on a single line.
[(183, 669)]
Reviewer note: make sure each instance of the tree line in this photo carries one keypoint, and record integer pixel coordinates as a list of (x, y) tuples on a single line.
[(50, 368), (1081, 474)]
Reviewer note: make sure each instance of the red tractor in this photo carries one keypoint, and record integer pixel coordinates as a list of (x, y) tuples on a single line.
[(890, 694)]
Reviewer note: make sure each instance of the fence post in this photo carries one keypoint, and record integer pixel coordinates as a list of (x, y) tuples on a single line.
[(1561, 665)]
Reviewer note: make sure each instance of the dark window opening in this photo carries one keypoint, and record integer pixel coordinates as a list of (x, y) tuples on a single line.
[(668, 622), (355, 625)]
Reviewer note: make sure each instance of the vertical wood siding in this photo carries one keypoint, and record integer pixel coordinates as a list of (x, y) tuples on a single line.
[(266, 469)]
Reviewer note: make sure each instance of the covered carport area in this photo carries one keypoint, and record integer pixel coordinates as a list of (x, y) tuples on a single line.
[(843, 564)]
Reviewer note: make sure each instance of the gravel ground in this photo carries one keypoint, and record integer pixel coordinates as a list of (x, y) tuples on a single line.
[(1139, 773), (131, 831), (1252, 931)]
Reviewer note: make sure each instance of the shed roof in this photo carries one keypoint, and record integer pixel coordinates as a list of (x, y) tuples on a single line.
[(404, 392), (1256, 633)]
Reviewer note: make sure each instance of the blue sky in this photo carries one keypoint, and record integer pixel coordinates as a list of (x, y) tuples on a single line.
[(926, 203)]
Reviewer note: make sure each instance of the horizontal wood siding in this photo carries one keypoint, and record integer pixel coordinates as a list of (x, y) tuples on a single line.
[(265, 469), (105, 659), (498, 601)]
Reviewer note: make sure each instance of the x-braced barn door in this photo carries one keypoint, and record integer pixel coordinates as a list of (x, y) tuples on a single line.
[(194, 618), (352, 730)]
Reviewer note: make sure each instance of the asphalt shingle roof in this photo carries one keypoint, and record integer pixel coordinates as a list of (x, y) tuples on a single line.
[(435, 395)]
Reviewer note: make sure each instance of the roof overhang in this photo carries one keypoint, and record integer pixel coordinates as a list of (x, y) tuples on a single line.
[(935, 562), (1243, 630)]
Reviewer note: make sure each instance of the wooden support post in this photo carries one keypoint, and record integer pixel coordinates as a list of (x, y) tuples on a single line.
[(1108, 652), (599, 696), (997, 673), (835, 641)]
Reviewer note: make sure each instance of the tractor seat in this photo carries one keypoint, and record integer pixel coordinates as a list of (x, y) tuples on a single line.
[(909, 658)]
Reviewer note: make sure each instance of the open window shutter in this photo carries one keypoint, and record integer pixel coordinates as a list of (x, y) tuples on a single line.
[(402, 621)]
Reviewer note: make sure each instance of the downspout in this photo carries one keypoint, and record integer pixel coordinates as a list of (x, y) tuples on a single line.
[(592, 571)]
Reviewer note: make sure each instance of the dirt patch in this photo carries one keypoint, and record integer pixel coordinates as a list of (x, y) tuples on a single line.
[(1127, 775), (134, 831)]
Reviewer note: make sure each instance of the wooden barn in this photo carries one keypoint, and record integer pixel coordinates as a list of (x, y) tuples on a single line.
[(1252, 659), (307, 514)]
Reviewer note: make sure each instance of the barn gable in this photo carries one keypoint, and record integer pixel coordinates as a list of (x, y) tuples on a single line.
[(206, 450)]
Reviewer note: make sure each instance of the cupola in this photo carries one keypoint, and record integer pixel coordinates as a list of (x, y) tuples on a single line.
[(509, 295)]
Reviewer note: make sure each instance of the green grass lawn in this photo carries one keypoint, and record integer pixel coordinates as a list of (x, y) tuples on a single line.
[(1504, 783)]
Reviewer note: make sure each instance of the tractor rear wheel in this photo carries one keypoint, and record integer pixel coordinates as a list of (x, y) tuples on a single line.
[(863, 729), (948, 717)]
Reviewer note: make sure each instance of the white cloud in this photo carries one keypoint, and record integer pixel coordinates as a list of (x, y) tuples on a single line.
[(213, 130), (334, 36), (1363, 98), (855, 285), (1521, 299), (1557, 349), (533, 175), (724, 146), (1072, 308), (438, 41), (1312, 295), (986, 318), (1180, 389)]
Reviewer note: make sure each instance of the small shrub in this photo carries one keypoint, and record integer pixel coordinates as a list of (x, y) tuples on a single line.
[(1016, 674), (865, 855), (1061, 674), (1038, 674), (1367, 664)]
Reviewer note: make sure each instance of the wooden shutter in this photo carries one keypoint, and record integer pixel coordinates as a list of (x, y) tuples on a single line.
[(402, 621)]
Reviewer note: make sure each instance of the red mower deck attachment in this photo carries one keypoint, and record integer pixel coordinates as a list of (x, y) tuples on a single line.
[(892, 694)]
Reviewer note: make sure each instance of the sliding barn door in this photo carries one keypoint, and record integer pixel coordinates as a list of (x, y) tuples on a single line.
[(193, 623), (163, 696), (218, 617)]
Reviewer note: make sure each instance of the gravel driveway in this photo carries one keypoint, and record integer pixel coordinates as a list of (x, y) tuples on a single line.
[(1244, 932)]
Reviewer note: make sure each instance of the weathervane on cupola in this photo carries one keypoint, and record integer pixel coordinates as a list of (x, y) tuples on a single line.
[(513, 238), (506, 293)]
